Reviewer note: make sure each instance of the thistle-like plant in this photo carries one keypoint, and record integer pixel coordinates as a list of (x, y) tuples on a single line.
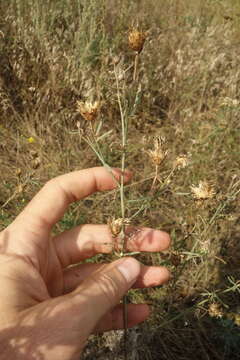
[(90, 112)]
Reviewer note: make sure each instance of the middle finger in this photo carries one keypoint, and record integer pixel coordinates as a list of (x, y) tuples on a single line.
[(85, 241)]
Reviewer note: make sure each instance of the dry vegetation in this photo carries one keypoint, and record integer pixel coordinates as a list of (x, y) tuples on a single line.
[(55, 53)]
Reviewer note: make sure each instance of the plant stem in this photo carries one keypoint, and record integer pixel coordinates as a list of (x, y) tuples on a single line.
[(155, 178), (135, 67), (123, 237), (125, 320), (96, 149)]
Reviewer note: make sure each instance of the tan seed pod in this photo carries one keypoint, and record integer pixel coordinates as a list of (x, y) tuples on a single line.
[(115, 225), (136, 40), (88, 110)]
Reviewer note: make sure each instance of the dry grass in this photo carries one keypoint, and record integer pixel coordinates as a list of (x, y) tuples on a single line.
[(53, 55)]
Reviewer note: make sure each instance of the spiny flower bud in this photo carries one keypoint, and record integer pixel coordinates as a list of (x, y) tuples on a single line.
[(88, 110), (136, 40)]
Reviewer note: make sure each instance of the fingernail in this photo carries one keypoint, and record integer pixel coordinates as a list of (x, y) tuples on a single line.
[(130, 269)]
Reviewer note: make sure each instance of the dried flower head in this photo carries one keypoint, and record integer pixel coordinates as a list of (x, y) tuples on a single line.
[(227, 101), (203, 191), (136, 40), (181, 162), (215, 310), (115, 225), (88, 110), (158, 154)]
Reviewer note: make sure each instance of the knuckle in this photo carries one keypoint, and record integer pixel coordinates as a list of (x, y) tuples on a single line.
[(58, 185)]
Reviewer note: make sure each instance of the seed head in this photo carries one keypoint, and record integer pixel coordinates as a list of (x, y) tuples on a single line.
[(158, 154), (88, 110), (136, 40), (203, 191), (115, 225), (215, 310), (181, 162)]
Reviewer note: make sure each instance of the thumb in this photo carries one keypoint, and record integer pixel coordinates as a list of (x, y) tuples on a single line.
[(61, 326), (103, 290)]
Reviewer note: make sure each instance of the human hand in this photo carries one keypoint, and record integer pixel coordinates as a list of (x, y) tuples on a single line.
[(49, 308)]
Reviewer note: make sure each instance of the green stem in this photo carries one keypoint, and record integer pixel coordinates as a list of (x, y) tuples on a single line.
[(125, 320), (96, 149), (123, 236)]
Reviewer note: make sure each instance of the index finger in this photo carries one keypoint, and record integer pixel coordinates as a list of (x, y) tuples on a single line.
[(50, 203)]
